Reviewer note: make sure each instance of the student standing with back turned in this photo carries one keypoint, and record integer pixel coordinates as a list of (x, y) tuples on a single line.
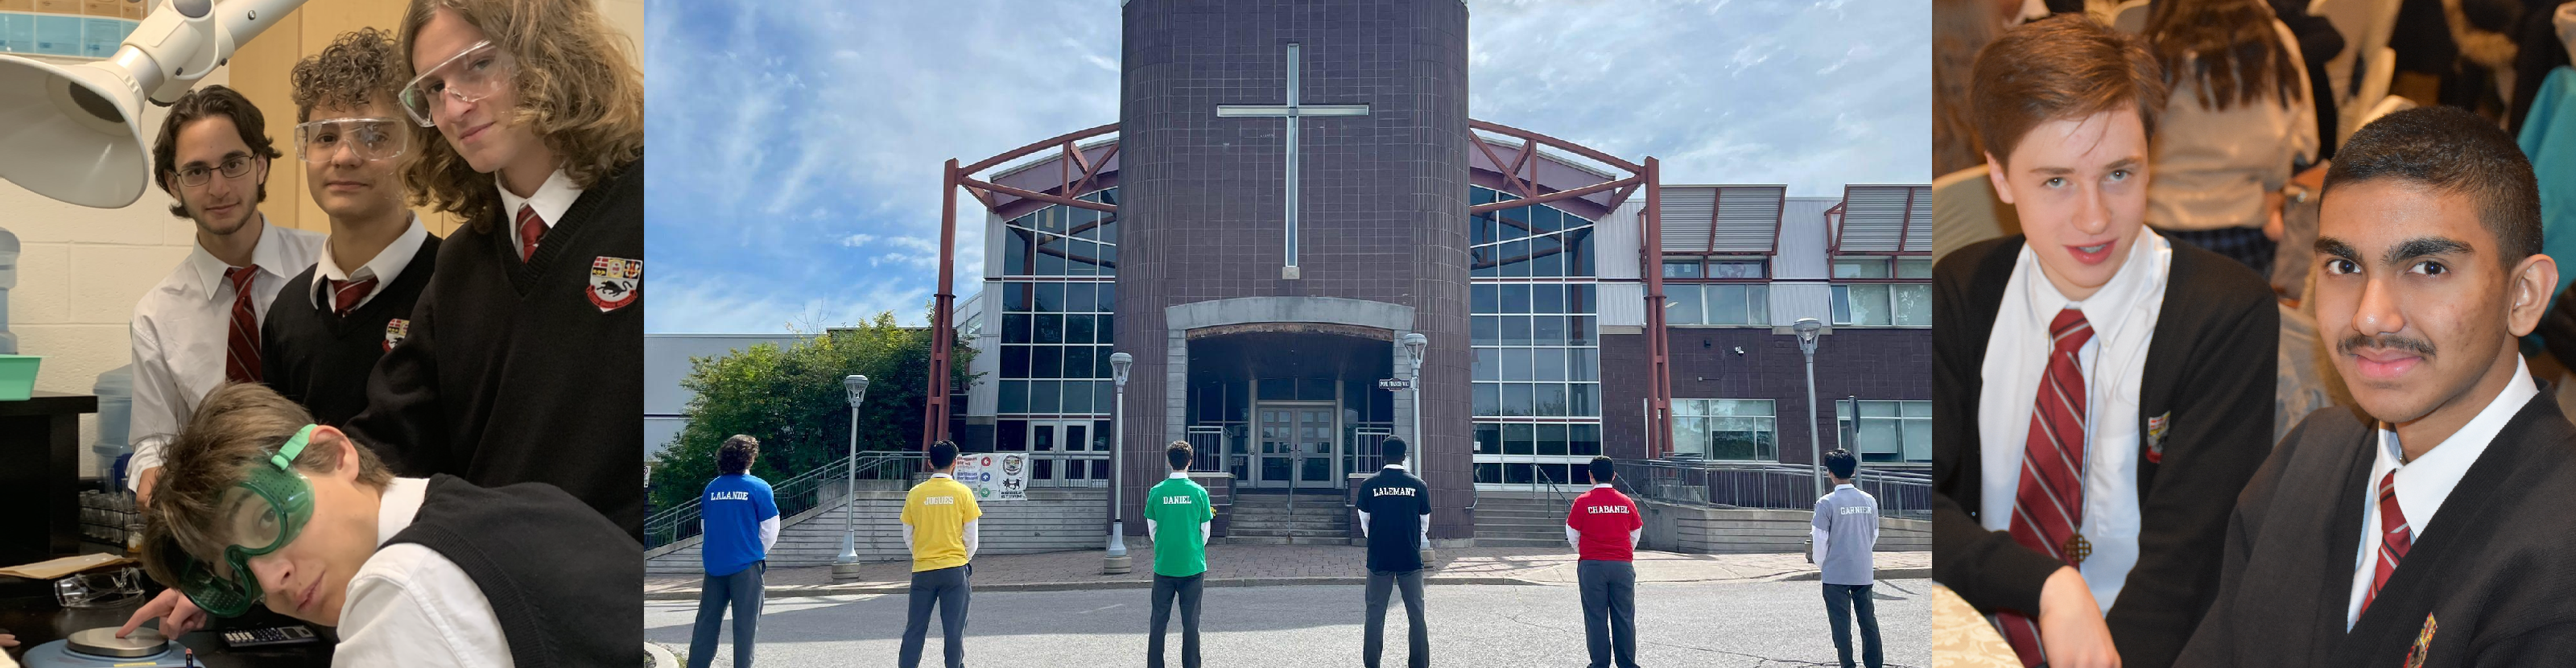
[(939, 524), (1395, 517), (1604, 527), (1178, 520), (740, 517), (1846, 533)]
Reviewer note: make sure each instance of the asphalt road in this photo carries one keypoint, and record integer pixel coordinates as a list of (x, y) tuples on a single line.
[(1700, 624)]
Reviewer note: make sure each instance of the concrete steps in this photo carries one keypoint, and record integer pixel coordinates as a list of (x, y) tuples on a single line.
[(1050, 521), (1505, 519), (1272, 519)]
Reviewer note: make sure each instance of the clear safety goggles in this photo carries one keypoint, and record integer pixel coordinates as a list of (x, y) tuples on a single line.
[(371, 139), (469, 76)]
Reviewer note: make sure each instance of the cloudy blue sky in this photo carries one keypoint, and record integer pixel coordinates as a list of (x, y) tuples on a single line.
[(795, 146)]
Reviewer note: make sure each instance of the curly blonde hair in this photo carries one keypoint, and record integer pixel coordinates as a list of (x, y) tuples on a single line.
[(578, 90), (358, 68)]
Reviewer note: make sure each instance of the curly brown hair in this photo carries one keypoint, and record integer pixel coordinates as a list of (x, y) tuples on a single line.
[(201, 104), (578, 90), (358, 68)]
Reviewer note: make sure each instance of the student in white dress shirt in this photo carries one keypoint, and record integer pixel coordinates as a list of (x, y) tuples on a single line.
[(2115, 389), (261, 505), (213, 156)]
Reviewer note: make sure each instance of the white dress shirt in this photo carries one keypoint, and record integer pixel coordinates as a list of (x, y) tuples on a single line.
[(2215, 169), (181, 333), (2423, 484), (408, 605), (386, 266), (2123, 315), (551, 200)]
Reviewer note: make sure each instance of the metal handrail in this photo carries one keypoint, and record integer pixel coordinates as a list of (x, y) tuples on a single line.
[(1900, 494), (797, 494)]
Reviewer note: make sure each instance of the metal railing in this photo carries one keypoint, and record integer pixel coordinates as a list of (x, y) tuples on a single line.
[(803, 492), (1900, 494)]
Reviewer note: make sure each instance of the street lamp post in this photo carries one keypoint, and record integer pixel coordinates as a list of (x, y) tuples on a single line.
[(1807, 329), (846, 566), (1414, 343), (1118, 562)]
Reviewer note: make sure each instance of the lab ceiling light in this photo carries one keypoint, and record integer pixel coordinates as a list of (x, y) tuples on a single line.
[(74, 132)]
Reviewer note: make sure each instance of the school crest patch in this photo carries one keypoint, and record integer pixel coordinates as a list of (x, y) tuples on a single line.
[(614, 282), (2156, 428), (2423, 643), (395, 331)]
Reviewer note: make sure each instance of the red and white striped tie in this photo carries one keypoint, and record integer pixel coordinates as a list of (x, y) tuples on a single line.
[(2048, 508), (531, 228), (241, 343), (2394, 537), (345, 295)]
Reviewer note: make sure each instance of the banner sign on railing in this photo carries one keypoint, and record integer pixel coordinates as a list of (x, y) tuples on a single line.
[(996, 476)]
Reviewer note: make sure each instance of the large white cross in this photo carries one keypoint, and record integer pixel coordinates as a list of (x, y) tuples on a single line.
[(1291, 111)]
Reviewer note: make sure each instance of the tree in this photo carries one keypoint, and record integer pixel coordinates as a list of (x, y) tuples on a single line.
[(792, 400)]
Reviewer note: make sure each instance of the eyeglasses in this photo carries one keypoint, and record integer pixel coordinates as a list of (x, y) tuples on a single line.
[(233, 167), (469, 76), (262, 514), (371, 139)]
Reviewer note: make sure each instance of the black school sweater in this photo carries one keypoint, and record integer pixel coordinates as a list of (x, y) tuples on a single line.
[(528, 372), (561, 580), (322, 360)]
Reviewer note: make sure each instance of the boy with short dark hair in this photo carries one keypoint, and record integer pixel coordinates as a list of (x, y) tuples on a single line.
[(740, 516), (258, 504), (1395, 517), (1177, 521), (939, 525), (1845, 531), (1604, 528)]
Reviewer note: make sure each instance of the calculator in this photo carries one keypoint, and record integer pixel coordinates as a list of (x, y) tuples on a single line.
[(282, 635)]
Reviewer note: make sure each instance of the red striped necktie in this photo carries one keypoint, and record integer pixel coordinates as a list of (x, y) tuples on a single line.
[(345, 295), (241, 345), (531, 228), (2394, 537), (2048, 507)]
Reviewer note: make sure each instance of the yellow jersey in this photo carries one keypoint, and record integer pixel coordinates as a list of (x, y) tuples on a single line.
[(938, 510)]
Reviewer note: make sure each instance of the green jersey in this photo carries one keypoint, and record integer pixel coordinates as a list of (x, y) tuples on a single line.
[(1178, 507)]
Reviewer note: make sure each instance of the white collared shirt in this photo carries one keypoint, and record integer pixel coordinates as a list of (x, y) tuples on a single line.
[(181, 333), (408, 605), (386, 266), (2423, 484), (551, 200), (1177, 476), (2123, 314)]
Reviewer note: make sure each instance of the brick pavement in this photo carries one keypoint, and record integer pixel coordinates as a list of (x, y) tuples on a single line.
[(1257, 565)]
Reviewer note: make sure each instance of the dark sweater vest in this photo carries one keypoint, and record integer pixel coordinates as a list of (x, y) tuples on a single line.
[(528, 371), (322, 360), (561, 579)]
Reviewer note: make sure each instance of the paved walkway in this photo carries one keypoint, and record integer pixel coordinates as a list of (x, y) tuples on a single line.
[(1270, 565)]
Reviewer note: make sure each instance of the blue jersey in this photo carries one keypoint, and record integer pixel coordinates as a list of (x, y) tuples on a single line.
[(733, 507)]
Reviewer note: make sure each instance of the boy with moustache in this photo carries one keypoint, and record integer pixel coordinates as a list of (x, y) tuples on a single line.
[(200, 327), (2432, 529), (2109, 391), (334, 321)]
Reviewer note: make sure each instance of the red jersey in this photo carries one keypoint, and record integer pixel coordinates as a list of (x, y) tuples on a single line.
[(1604, 517)]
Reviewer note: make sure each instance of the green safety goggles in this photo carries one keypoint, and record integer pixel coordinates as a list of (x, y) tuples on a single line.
[(261, 515)]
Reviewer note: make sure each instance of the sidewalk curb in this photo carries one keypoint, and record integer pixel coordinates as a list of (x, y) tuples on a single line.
[(898, 587), (1920, 573)]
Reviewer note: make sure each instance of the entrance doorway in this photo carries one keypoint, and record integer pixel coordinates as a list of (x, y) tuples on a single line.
[(1289, 411), (1297, 446)]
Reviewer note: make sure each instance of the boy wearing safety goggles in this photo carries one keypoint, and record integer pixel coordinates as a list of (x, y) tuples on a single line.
[(329, 326), (258, 504), (523, 361)]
